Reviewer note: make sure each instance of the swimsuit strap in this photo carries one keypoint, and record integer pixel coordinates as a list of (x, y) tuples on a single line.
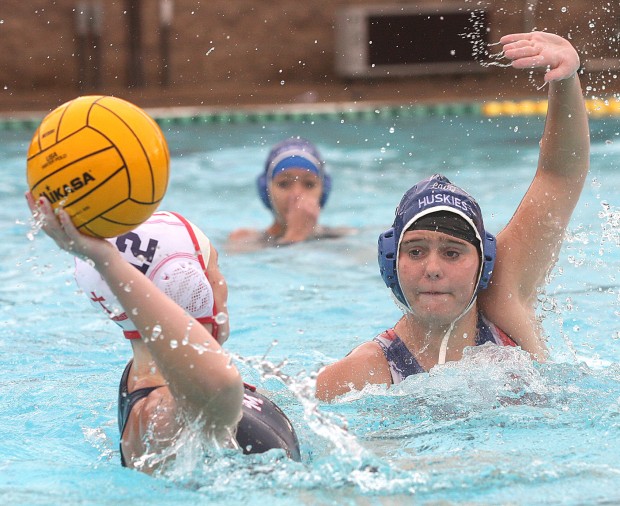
[(127, 400), (401, 361), (488, 332)]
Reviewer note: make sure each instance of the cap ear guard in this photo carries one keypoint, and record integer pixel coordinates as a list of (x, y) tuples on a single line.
[(387, 263), (490, 251), (263, 192), (327, 188)]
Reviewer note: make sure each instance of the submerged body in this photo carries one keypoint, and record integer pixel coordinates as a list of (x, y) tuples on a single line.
[(402, 363)]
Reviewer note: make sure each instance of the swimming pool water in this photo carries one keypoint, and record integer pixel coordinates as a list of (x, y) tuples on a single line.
[(506, 432)]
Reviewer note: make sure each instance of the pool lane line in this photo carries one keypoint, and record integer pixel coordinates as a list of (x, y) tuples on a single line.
[(598, 108), (333, 114), (319, 112), (316, 112), (181, 116)]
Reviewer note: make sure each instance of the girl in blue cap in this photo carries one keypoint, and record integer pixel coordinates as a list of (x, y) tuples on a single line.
[(294, 186), (457, 284)]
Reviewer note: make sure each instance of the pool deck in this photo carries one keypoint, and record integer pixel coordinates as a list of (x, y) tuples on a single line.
[(313, 97), (387, 91)]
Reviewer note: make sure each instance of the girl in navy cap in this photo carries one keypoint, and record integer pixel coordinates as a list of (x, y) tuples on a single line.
[(457, 284)]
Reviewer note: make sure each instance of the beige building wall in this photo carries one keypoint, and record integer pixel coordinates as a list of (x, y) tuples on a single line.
[(244, 43)]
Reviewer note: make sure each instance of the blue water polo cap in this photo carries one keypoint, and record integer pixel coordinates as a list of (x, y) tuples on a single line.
[(293, 153), (432, 196)]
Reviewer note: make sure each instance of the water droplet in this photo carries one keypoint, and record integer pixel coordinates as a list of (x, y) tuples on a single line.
[(174, 344), (156, 332), (221, 318)]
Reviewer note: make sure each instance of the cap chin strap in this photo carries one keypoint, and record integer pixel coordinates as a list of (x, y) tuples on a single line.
[(443, 349)]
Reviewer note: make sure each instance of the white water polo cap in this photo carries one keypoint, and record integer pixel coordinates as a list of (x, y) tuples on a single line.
[(174, 254)]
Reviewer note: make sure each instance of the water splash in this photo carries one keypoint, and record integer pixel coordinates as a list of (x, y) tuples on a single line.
[(302, 386), (101, 442), (188, 328), (610, 226), (36, 222), (221, 318), (156, 333), (179, 455)]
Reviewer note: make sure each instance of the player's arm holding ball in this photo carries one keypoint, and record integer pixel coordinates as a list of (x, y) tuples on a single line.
[(148, 307), (98, 168)]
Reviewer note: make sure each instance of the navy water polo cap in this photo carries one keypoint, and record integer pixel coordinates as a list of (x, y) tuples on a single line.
[(293, 153), (436, 204)]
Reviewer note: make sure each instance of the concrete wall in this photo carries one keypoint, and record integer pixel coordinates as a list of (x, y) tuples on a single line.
[(242, 42)]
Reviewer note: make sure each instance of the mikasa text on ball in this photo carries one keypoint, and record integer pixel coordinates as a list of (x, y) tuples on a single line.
[(104, 160)]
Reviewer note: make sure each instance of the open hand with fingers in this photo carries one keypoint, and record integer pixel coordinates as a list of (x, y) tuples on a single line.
[(542, 50)]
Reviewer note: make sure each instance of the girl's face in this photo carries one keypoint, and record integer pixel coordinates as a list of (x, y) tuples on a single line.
[(438, 274), (292, 185)]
